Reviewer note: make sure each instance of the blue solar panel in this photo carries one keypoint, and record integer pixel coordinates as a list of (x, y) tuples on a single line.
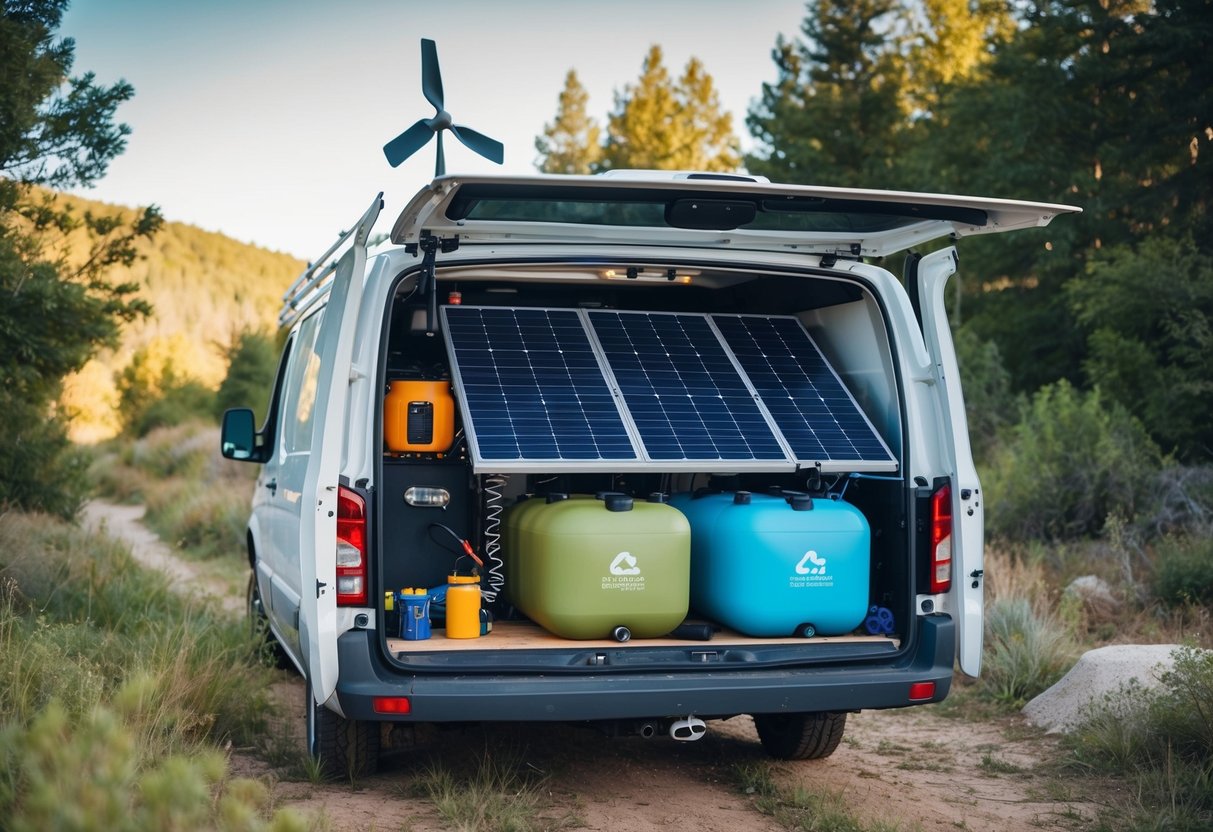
[(684, 394), (531, 387), (809, 403)]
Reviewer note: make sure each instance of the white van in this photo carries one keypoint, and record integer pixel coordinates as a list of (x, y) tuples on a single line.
[(552, 329)]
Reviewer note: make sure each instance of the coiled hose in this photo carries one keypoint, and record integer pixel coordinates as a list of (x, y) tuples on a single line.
[(493, 564)]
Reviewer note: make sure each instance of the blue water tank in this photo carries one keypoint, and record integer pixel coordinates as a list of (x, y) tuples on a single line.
[(778, 564)]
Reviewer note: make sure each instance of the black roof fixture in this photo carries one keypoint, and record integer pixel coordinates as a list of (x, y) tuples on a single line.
[(416, 137)]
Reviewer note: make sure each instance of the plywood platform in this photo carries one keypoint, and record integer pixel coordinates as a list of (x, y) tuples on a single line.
[(523, 635)]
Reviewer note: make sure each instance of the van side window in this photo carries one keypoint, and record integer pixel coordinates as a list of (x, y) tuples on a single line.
[(302, 375)]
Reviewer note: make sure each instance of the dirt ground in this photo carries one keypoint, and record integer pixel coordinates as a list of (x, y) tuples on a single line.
[(912, 767)]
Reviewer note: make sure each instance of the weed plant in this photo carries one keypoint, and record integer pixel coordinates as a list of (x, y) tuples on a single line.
[(1026, 651), (800, 809), (498, 794), (1183, 571), (114, 693), (1162, 740)]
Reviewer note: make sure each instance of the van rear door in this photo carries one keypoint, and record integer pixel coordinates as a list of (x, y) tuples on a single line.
[(964, 599), (346, 260)]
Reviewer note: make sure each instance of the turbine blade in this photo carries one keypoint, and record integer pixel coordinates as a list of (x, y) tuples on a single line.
[(407, 143), (431, 75), (490, 149)]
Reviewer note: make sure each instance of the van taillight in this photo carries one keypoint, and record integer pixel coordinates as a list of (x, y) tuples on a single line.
[(941, 540), (351, 548)]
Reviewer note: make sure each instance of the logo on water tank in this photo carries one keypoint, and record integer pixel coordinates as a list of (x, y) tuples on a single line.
[(811, 571), (625, 574), (624, 564)]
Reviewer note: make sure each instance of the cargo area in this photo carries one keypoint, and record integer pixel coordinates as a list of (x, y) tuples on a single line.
[(602, 531)]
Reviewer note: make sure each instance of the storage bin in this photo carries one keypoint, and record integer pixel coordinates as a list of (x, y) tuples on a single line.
[(778, 564), (584, 567)]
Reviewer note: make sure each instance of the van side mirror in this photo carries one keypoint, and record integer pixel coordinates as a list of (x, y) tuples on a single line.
[(238, 436)]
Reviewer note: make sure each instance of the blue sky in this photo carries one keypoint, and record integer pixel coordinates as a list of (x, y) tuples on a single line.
[(266, 120)]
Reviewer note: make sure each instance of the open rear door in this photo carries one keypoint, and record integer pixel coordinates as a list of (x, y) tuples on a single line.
[(346, 260), (968, 500)]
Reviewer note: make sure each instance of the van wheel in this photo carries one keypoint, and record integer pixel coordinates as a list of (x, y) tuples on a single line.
[(342, 748), (811, 736), (259, 627)]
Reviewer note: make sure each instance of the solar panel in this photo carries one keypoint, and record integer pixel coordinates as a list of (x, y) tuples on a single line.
[(818, 417), (531, 390), (685, 395)]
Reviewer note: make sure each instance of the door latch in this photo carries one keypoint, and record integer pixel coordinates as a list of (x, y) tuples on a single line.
[(320, 585)]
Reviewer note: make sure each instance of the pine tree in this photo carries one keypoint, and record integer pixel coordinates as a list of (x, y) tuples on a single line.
[(838, 110), (570, 143), (666, 125)]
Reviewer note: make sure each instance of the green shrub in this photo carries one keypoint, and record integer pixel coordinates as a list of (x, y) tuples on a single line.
[(1183, 571), (252, 363), (1026, 651), (989, 403), (187, 401), (40, 470), (1069, 463), (1162, 739), (69, 773)]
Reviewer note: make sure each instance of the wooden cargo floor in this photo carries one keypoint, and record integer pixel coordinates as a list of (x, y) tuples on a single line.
[(519, 635)]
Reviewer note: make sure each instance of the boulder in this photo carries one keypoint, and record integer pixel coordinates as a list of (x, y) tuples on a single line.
[(1095, 595), (1097, 672)]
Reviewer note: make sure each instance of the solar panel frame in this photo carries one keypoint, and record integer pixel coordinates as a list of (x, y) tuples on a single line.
[(861, 448), (492, 413)]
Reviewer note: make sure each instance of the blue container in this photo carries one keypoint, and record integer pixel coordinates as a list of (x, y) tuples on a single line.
[(415, 616), (778, 565)]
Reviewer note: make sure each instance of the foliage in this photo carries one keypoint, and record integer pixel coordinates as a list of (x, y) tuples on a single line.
[(1148, 312), (1026, 651), (153, 392), (834, 114), (498, 794), (1069, 463), (989, 403), (570, 143), (1183, 570), (252, 364), (56, 310), (1162, 739), (114, 692), (658, 123), (207, 290), (800, 808)]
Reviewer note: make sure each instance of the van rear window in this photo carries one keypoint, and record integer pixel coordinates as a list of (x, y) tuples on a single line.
[(668, 208)]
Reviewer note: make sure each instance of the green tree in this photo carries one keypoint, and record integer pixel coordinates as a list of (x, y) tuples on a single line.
[(252, 363), (662, 124), (570, 143), (1100, 103), (55, 308), (837, 113)]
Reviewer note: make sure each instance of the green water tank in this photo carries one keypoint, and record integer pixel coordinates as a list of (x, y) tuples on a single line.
[(595, 568)]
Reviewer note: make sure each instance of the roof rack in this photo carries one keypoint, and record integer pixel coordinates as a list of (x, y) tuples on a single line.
[(316, 280)]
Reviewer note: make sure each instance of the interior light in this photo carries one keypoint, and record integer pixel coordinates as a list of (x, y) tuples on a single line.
[(422, 495)]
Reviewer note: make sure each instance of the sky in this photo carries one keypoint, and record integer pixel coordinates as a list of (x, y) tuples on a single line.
[(265, 119)]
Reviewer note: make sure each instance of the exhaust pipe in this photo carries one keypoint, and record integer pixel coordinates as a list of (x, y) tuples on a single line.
[(688, 730), (647, 730)]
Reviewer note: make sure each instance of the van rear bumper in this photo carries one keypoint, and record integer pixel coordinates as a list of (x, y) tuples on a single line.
[(453, 697)]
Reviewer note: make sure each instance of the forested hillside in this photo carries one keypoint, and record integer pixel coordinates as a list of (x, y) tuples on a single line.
[(204, 289)]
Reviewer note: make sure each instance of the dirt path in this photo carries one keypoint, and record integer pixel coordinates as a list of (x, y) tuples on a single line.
[(912, 767)]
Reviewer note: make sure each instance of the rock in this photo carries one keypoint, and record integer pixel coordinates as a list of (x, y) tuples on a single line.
[(1097, 672)]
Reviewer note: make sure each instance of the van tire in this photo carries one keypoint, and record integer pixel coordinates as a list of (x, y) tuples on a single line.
[(342, 748), (809, 736)]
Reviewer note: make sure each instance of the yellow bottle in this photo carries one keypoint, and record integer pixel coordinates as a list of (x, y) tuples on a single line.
[(463, 606)]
